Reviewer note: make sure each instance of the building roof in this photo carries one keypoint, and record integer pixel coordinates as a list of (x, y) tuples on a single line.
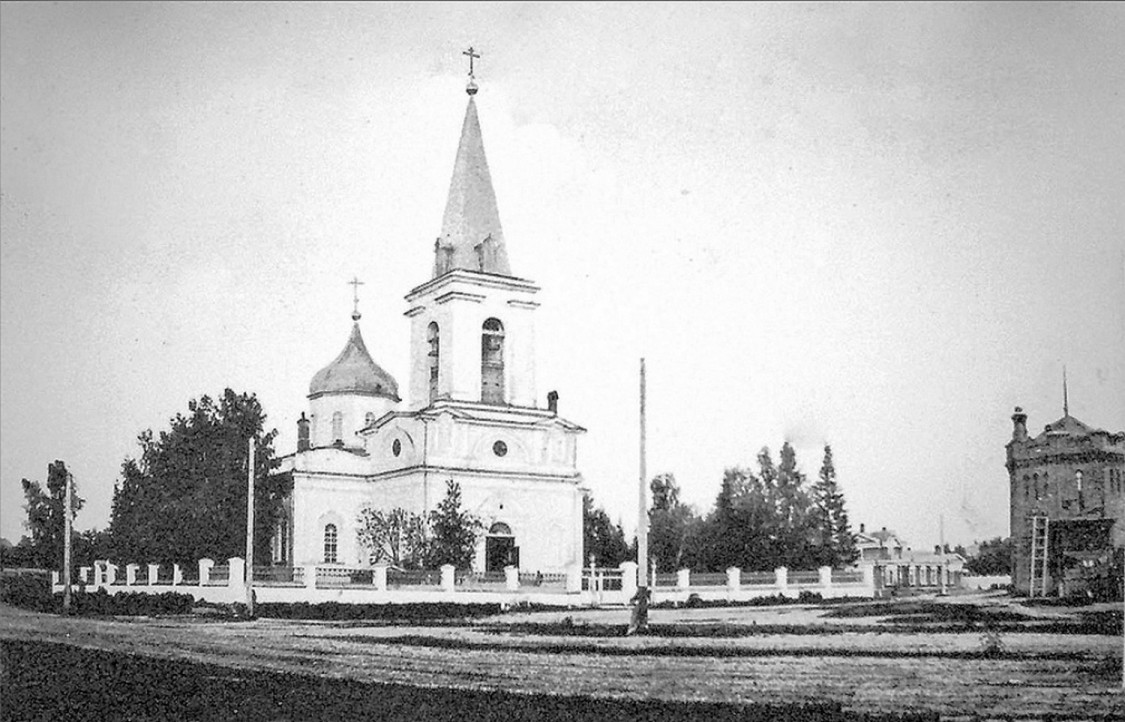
[(471, 237), (354, 372), (1069, 426)]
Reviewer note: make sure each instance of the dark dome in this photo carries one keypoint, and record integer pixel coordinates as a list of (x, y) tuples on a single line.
[(354, 372)]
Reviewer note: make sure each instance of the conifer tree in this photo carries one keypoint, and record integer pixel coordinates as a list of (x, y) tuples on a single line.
[(835, 542), (454, 531)]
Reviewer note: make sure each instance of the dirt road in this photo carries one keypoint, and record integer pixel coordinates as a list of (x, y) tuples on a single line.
[(1065, 676)]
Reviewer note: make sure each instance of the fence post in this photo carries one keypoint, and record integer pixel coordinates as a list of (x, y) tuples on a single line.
[(177, 575), (629, 580), (734, 579), (84, 574), (448, 577), (573, 578), (131, 574), (110, 573), (153, 571), (55, 581), (236, 573), (205, 571), (99, 572), (310, 576), (781, 579), (683, 578), (869, 577), (825, 577)]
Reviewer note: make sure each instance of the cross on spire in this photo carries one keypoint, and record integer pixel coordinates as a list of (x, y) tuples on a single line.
[(355, 283), (472, 55)]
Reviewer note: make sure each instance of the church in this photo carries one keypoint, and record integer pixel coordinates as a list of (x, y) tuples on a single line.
[(471, 412)]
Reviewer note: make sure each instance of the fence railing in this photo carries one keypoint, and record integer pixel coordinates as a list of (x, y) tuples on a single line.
[(681, 584)]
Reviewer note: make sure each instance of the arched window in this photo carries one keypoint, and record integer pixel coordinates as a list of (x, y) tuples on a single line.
[(330, 543), (500, 529), (433, 337), (1035, 480), (492, 362), (338, 427)]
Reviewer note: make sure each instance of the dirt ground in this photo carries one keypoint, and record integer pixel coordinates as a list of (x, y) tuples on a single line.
[(852, 658)]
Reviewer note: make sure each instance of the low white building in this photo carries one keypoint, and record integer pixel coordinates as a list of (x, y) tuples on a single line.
[(473, 415)]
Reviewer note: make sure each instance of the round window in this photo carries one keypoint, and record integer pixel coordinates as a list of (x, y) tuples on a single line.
[(396, 448), (500, 448)]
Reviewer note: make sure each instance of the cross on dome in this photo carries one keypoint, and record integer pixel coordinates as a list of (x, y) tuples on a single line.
[(355, 283)]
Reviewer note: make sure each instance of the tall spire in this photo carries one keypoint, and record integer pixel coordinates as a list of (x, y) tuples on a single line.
[(471, 237), (1066, 402)]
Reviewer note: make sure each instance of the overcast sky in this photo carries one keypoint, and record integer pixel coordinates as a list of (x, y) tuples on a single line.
[(876, 226)]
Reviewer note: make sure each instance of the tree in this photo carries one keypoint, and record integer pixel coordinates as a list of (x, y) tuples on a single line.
[(835, 543), (994, 558), (184, 498), (398, 537), (672, 526), (602, 539), (45, 515), (453, 532), (792, 503)]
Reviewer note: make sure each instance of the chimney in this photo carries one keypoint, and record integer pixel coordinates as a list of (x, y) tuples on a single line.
[(1019, 425), (937, 548), (302, 433), (861, 528), (553, 402)]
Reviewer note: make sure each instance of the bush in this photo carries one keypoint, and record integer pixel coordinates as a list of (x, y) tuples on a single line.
[(28, 591), (807, 597), (101, 603), (394, 612)]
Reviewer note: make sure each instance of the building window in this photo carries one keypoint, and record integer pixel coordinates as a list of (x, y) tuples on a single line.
[(330, 544), (396, 447), (500, 448), (492, 362), (433, 337), (338, 428), (1035, 481)]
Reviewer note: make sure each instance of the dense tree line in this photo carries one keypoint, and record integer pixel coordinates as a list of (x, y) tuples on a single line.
[(762, 518)]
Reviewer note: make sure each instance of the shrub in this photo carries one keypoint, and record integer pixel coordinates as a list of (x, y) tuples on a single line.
[(28, 591), (393, 612)]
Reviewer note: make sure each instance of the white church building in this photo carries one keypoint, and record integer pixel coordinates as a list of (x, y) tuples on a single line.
[(472, 413)]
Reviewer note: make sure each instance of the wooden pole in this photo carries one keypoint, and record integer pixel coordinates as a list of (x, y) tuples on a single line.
[(66, 543), (250, 528), (944, 559), (640, 611)]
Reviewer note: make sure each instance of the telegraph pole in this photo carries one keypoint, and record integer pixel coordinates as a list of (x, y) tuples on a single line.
[(944, 559), (66, 543), (640, 612), (250, 528)]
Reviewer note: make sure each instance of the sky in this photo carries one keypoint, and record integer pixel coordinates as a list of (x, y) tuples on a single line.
[(879, 226)]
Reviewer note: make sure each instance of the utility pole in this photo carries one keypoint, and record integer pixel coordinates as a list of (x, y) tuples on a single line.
[(640, 612), (944, 559), (250, 528), (66, 543)]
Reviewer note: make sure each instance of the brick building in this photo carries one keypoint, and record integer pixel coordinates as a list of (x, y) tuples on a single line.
[(1067, 491)]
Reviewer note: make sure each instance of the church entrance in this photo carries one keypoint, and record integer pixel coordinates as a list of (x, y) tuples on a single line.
[(500, 548)]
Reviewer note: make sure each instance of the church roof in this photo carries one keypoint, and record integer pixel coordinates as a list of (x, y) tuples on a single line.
[(354, 372), (471, 237)]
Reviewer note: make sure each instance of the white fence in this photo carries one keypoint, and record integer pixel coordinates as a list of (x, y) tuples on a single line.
[(385, 585)]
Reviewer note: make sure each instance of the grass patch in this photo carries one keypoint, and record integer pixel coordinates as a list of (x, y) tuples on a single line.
[(415, 640), (55, 681)]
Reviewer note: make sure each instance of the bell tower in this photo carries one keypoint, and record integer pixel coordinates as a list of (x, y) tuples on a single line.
[(472, 326)]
